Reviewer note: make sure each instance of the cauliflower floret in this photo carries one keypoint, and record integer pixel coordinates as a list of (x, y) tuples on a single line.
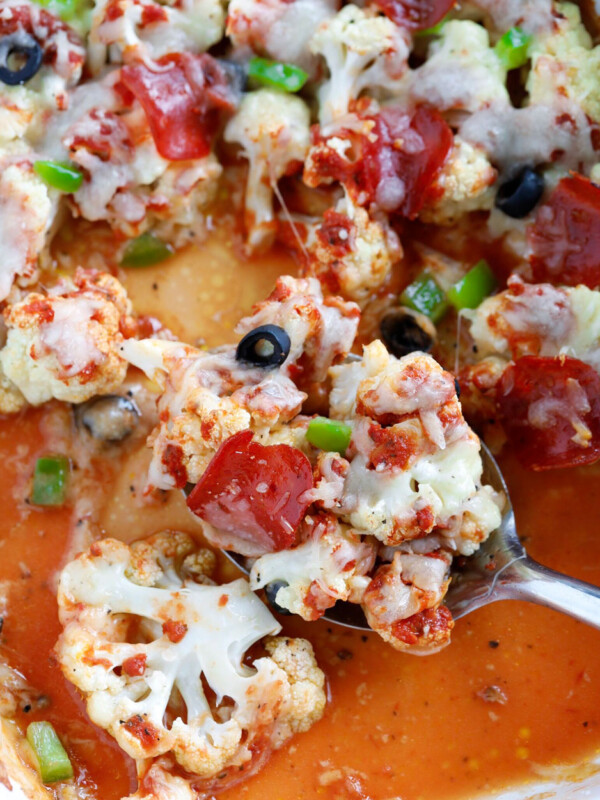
[(363, 50), (128, 183), (539, 320), (65, 343), (463, 185), (532, 16), (400, 592), (462, 71), (273, 131), (27, 211), (329, 564), (209, 396), (125, 31), (414, 464), (564, 64), (277, 28), (321, 329), (140, 654), (350, 253)]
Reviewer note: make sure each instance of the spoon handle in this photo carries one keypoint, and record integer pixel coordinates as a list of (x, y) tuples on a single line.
[(525, 579)]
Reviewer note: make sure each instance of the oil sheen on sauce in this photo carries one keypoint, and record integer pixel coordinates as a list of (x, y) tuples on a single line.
[(515, 696)]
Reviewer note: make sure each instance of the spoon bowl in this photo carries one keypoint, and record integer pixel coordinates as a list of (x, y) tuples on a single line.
[(499, 570)]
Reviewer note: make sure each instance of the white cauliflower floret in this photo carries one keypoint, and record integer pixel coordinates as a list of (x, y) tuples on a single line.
[(27, 211), (363, 50), (64, 344), (277, 28), (349, 252), (532, 16), (462, 71), (125, 31), (329, 564), (463, 185), (140, 654), (414, 463), (402, 602), (273, 130), (128, 183), (209, 396), (564, 64), (321, 329), (539, 320)]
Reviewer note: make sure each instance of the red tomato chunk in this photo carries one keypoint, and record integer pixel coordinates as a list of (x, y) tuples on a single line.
[(415, 14), (550, 410), (565, 237), (254, 491)]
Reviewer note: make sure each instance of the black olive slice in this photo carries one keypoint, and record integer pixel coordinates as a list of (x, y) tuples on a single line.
[(266, 346), (520, 195), (271, 590), (24, 45), (403, 331), (108, 418)]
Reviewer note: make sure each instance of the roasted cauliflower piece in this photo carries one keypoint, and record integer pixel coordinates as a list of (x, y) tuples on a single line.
[(414, 464), (142, 640), (403, 601), (463, 185), (564, 64), (128, 183), (362, 50), (124, 31), (27, 211), (209, 396), (462, 70), (538, 320), (276, 28), (272, 129), (64, 343), (350, 253), (330, 563)]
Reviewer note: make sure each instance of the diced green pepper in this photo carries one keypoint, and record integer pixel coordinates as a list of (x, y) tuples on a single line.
[(146, 250), (277, 74), (471, 291), (59, 174), (53, 761), (424, 295), (329, 434), (513, 48), (50, 479)]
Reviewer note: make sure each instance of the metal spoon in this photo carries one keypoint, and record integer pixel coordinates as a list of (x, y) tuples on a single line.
[(499, 570)]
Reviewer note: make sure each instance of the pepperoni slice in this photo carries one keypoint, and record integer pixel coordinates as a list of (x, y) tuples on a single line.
[(254, 491), (406, 156), (565, 236), (181, 100), (415, 14), (550, 411)]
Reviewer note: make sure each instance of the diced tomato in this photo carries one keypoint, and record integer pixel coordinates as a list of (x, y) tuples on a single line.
[(565, 237), (254, 491), (182, 101), (550, 411), (415, 14), (404, 159)]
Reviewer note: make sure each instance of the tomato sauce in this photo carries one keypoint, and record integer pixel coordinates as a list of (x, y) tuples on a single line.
[(513, 697)]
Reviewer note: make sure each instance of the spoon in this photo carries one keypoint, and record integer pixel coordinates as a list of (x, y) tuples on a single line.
[(499, 570)]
